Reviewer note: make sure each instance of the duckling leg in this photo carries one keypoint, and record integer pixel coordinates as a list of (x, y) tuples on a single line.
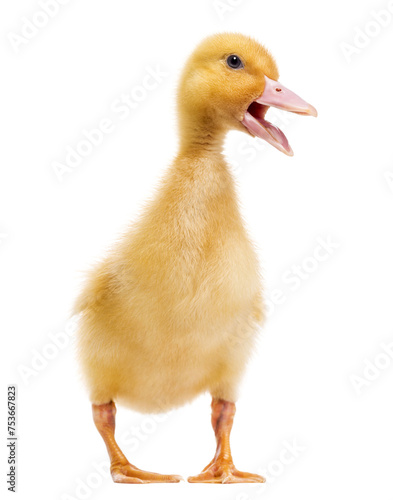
[(221, 468), (121, 469)]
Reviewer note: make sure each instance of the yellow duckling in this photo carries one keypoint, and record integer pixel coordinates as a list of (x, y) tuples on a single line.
[(174, 310)]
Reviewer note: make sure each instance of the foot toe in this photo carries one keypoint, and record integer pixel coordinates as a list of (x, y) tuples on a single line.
[(120, 477), (225, 475), (130, 474), (204, 477), (248, 477)]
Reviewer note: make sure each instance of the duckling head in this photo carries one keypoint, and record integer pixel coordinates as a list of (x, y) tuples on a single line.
[(229, 82)]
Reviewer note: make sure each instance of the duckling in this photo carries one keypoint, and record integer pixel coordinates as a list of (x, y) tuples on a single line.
[(174, 309)]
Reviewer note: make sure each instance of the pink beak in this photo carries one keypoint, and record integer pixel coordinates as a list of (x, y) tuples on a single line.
[(280, 97)]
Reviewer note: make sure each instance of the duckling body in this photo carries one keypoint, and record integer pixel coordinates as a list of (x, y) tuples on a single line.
[(174, 310)]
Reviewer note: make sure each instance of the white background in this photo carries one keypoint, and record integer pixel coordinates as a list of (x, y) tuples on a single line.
[(326, 329)]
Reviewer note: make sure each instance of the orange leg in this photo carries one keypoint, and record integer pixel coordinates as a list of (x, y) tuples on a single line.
[(121, 469), (221, 468)]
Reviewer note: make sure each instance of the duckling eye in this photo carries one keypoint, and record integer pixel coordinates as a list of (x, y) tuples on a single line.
[(234, 62)]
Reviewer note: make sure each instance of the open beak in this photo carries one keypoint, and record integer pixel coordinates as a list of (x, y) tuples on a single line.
[(278, 96)]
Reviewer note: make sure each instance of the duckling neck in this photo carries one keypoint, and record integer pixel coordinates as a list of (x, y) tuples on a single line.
[(201, 138), (203, 183)]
